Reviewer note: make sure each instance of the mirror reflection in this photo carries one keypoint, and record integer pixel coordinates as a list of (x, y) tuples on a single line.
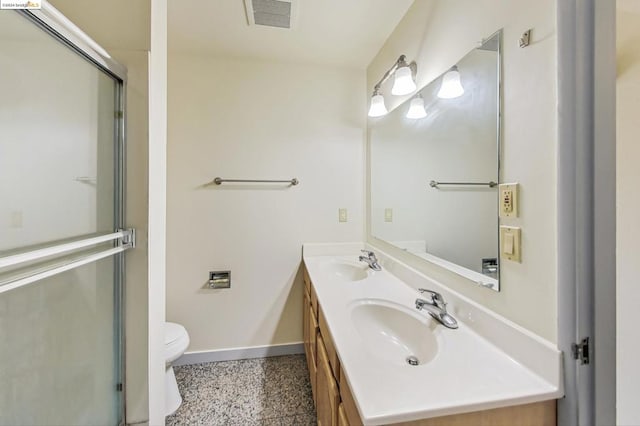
[(434, 169)]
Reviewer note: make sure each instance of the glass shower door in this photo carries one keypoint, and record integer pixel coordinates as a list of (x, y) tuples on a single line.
[(61, 226)]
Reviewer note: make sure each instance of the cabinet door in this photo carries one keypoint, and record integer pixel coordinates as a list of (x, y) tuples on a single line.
[(312, 358), (314, 332), (348, 404), (342, 416), (306, 303), (332, 354), (328, 394)]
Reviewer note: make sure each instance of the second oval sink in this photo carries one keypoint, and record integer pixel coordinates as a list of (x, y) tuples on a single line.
[(347, 271), (395, 333)]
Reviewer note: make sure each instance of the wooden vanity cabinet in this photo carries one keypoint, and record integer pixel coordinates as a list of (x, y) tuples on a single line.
[(310, 333), (332, 354), (352, 417), (335, 405), (342, 416), (309, 338), (328, 399)]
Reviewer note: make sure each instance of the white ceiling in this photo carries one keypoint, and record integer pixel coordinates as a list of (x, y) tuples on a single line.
[(333, 32)]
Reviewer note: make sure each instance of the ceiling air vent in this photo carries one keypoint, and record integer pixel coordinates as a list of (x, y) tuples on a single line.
[(270, 13)]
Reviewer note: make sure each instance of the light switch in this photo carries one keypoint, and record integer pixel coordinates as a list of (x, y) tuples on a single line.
[(342, 215), (388, 215), (508, 199), (510, 243)]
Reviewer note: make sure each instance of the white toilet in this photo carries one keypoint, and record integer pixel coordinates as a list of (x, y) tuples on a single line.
[(176, 341)]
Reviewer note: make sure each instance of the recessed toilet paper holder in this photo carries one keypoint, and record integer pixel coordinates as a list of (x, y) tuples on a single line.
[(219, 279)]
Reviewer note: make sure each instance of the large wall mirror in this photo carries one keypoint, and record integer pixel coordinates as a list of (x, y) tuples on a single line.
[(434, 177)]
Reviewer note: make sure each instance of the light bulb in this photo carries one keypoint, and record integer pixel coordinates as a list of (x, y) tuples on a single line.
[(403, 83), (416, 108), (451, 86), (377, 107)]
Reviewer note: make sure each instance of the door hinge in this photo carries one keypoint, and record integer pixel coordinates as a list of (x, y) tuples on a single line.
[(581, 351), (119, 387)]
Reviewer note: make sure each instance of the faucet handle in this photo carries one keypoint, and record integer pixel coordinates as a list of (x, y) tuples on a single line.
[(368, 253), (436, 297)]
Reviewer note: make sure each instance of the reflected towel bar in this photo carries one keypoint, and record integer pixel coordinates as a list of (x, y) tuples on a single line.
[(219, 181), (435, 184)]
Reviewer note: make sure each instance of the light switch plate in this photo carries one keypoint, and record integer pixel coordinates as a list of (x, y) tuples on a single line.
[(388, 215), (510, 243), (508, 199), (342, 215)]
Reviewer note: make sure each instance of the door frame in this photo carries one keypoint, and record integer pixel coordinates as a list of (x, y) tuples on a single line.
[(586, 207)]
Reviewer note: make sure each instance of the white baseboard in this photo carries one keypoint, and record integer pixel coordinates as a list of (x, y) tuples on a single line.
[(200, 357)]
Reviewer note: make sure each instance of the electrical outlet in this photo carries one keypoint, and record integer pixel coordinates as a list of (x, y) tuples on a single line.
[(508, 199), (342, 215)]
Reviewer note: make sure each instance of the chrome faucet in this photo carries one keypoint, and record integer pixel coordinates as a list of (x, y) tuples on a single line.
[(436, 307), (371, 260)]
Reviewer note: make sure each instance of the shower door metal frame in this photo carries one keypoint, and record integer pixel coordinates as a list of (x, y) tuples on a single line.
[(62, 29)]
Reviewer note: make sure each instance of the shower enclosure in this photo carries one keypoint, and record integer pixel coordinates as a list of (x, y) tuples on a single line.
[(62, 233)]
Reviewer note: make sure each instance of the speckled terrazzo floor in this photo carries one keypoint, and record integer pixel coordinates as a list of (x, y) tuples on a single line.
[(265, 391)]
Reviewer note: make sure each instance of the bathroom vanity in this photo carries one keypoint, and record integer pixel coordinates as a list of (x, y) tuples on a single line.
[(375, 359)]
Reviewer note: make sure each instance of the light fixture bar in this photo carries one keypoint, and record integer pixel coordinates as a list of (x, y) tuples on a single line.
[(404, 84), (401, 62)]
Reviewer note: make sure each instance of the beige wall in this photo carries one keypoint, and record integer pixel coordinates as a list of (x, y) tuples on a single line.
[(436, 34), (249, 119), (628, 211)]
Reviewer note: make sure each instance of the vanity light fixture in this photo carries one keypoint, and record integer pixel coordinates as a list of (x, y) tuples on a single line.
[(451, 86), (404, 83), (416, 108), (377, 108)]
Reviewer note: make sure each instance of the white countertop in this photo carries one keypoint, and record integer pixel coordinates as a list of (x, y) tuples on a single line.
[(468, 373)]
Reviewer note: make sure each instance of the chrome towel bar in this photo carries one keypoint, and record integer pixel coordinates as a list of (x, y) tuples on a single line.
[(219, 181), (435, 184)]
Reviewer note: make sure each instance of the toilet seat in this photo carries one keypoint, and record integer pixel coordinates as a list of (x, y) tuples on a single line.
[(176, 341)]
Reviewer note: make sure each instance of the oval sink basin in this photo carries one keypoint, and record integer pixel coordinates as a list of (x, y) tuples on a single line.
[(347, 271), (394, 333)]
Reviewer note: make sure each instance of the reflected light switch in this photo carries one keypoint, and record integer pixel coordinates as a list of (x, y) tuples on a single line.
[(510, 243), (388, 215)]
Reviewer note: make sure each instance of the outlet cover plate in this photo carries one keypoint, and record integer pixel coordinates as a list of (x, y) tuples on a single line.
[(342, 215), (509, 199)]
